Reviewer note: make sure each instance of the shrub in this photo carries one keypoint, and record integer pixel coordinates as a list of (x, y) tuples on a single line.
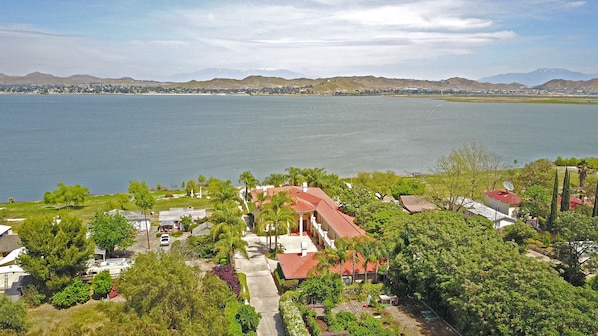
[(227, 274), (283, 284), (76, 292), (32, 296), (309, 317), (101, 283), (233, 327), (244, 295), (248, 318), (291, 318), (322, 287), (13, 315)]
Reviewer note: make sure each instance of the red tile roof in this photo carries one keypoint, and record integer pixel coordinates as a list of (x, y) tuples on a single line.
[(294, 266), (573, 202), (504, 196), (315, 199)]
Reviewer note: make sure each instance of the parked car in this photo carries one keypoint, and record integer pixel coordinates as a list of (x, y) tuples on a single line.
[(164, 240)]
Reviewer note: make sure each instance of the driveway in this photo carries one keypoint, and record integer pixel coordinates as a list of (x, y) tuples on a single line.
[(262, 290)]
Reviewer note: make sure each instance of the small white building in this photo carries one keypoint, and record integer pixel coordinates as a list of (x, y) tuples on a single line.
[(135, 218), (472, 208), (170, 220), (504, 201)]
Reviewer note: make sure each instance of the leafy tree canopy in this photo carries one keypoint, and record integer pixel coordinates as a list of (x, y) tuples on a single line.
[(13, 315), (110, 231), (539, 172), (407, 186), (57, 250), (67, 195), (163, 288)]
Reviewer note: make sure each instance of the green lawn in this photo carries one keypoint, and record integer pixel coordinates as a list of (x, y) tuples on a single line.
[(94, 204)]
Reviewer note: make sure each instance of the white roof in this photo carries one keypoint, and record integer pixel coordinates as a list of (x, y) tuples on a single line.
[(11, 269), (12, 256), (499, 219), (176, 214), (4, 229)]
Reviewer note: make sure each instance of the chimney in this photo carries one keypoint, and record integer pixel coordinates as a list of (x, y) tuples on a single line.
[(303, 249), (304, 186)]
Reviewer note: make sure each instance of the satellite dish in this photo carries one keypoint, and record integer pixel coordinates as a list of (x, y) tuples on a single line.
[(508, 185)]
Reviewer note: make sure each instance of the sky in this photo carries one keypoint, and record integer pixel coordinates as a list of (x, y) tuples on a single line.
[(432, 39)]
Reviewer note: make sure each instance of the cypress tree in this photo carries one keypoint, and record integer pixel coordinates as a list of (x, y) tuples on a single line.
[(595, 212), (553, 203), (566, 195)]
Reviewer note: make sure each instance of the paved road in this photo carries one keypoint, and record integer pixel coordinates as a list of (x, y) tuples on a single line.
[(262, 290)]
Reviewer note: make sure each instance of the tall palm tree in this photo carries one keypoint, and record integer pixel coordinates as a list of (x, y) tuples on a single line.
[(228, 240), (582, 169), (221, 191), (294, 175), (278, 211), (227, 214), (367, 248), (342, 251), (249, 180), (326, 259)]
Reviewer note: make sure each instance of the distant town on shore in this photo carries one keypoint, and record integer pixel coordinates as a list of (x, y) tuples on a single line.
[(39, 83)]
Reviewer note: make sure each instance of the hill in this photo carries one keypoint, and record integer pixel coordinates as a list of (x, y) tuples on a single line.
[(538, 77)]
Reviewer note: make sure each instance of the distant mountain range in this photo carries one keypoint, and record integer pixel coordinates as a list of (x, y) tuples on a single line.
[(538, 77), (350, 85), (211, 73)]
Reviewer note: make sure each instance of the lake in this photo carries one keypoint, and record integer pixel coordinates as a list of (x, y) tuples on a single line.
[(103, 141)]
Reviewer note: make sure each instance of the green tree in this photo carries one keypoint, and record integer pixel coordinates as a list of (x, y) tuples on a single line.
[(222, 191), (595, 210), (56, 251), (295, 175), (163, 289), (279, 211), (577, 234), (249, 181), (144, 200), (248, 318), (322, 287), (408, 186), (13, 315), (553, 203), (101, 283), (110, 231), (464, 172), (275, 179), (366, 246), (76, 292), (352, 199), (519, 233), (583, 167), (536, 201), (191, 188), (67, 195), (380, 183), (228, 240), (538, 172), (566, 195)]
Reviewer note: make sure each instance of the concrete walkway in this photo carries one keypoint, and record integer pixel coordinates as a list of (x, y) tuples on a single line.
[(262, 290)]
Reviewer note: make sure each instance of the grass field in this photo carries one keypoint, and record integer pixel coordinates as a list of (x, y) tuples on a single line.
[(93, 204), (47, 317)]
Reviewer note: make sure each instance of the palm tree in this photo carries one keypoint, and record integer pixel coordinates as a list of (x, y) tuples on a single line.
[(228, 240), (277, 211), (367, 248), (582, 168), (227, 213), (342, 251), (294, 175), (326, 259), (249, 180), (221, 191)]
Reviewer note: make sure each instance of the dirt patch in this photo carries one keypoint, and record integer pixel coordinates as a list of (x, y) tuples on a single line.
[(407, 315)]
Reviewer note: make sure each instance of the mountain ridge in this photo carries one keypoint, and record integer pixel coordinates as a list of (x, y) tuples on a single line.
[(346, 84), (538, 77)]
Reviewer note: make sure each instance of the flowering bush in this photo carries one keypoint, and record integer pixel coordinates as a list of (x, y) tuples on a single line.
[(227, 274)]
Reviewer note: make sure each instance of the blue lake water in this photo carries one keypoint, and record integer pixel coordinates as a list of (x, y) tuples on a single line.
[(103, 141)]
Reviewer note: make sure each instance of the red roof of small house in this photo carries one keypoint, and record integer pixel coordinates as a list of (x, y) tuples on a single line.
[(315, 199), (295, 266), (573, 202), (504, 196)]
